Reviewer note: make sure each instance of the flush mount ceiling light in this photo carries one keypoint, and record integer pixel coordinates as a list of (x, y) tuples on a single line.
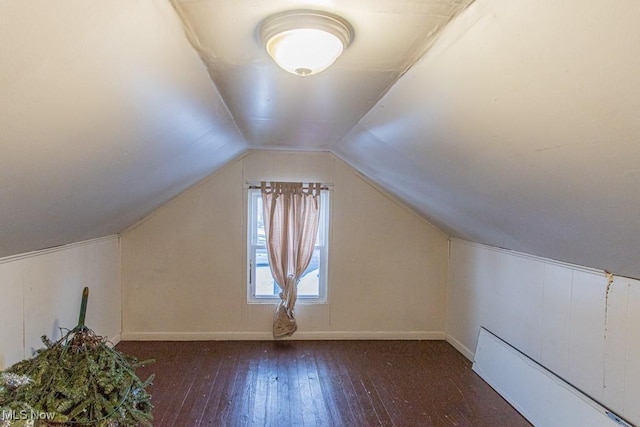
[(305, 42)]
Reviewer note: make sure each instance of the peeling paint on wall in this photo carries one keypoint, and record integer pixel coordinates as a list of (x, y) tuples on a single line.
[(606, 301)]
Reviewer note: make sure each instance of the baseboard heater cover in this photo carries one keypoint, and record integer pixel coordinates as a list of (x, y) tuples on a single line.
[(542, 397)]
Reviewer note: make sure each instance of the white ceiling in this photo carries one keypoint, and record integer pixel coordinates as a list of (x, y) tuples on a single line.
[(276, 109), (515, 124)]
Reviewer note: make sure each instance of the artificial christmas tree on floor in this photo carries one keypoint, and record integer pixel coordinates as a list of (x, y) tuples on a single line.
[(79, 380)]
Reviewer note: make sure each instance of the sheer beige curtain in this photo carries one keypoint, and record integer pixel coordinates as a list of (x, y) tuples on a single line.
[(291, 214)]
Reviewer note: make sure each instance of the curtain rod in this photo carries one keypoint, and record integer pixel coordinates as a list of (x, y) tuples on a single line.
[(257, 186)]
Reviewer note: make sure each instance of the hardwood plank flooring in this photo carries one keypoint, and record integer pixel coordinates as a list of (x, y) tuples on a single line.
[(317, 383)]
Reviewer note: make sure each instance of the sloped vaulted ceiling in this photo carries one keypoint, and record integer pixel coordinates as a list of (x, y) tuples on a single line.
[(508, 123), (105, 113), (520, 129)]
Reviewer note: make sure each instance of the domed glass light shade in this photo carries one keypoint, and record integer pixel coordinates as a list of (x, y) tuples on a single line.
[(305, 42)]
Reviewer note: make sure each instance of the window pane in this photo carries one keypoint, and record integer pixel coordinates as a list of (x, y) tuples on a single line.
[(260, 234), (309, 285), (265, 285)]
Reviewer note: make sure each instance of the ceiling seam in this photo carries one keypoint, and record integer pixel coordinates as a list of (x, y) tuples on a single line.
[(194, 41)]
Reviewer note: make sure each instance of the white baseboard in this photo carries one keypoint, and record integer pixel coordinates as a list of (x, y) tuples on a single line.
[(460, 347), (115, 339), (261, 336)]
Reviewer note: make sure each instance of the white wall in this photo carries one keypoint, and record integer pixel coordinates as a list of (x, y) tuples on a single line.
[(42, 291), (578, 322), (184, 266)]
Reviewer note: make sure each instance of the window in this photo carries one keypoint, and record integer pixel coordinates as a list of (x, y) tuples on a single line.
[(261, 285)]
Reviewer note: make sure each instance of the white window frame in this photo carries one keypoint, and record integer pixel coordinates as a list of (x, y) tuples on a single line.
[(322, 243)]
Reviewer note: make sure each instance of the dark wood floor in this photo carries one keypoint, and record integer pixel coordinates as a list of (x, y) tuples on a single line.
[(317, 383)]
